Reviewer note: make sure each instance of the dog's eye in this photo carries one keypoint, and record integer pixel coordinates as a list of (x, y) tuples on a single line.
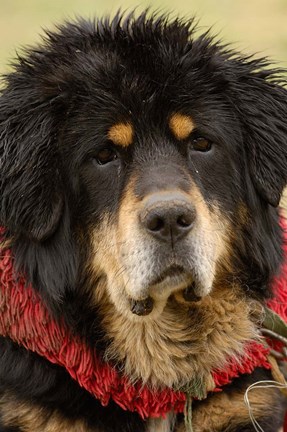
[(105, 155), (201, 144)]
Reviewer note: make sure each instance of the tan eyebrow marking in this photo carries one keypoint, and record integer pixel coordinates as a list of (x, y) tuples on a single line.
[(181, 125), (121, 134)]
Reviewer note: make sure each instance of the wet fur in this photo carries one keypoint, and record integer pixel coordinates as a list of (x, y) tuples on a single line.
[(61, 213)]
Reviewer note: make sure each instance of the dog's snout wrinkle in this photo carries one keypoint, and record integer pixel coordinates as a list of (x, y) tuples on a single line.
[(168, 218)]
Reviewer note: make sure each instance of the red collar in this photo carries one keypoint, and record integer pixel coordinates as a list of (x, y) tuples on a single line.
[(26, 320)]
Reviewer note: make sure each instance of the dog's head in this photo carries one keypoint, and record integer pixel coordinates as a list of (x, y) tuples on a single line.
[(140, 159)]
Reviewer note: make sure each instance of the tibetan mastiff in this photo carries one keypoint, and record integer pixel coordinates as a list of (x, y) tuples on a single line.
[(141, 169)]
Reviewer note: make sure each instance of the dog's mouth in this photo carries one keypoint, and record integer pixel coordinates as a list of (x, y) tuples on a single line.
[(171, 275), (173, 279)]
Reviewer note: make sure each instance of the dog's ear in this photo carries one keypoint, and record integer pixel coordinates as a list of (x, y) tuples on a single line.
[(264, 113), (30, 184)]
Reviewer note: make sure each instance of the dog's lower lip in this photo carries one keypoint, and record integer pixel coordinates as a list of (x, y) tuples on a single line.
[(171, 272)]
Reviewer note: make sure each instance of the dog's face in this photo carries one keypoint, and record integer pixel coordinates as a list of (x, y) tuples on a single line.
[(158, 196), (155, 151), (146, 158)]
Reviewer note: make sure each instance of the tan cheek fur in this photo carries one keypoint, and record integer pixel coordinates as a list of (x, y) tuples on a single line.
[(31, 418), (105, 266), (213, 235)]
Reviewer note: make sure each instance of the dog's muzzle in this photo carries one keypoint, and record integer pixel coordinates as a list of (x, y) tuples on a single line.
[(168, 218)]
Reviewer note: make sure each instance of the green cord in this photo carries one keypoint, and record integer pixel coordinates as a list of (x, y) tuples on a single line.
[(194, 389), (188, 413)]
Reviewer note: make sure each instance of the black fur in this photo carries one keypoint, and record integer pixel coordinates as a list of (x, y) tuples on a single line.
[(38, 381), (55, 110)]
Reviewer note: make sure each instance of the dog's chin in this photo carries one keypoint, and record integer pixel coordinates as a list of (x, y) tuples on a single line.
[(151, 300)]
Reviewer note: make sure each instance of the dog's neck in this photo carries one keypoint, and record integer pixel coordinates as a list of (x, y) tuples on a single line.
[(185, 343)]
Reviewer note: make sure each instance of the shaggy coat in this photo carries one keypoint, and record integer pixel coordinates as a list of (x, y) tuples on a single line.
[(140, 171)]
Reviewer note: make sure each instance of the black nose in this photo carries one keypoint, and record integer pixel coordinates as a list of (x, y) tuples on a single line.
[(168, 216)]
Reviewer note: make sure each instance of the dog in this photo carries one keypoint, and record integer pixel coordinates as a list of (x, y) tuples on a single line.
[(141, 171)]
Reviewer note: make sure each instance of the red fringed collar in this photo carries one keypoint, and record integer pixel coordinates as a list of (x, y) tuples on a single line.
[(25, 319)]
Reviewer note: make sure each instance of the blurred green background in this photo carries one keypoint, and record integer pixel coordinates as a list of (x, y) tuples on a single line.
[(253, 26)]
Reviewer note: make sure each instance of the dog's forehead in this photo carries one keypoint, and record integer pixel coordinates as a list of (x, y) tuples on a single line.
[(153, 86), (145, 76), (136, 100), (147, 87)]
